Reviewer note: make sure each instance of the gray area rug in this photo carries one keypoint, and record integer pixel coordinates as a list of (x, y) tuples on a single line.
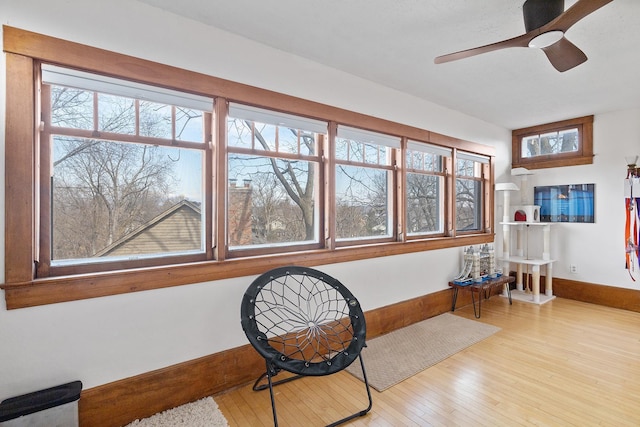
[(201, 413), (398, 355)]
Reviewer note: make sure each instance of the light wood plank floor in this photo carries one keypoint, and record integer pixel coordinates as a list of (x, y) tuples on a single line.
[(565, 363)]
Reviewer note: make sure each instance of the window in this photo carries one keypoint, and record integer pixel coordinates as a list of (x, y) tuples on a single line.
[(556, 142), (364, 184), (145, 176), (274, 179), (125, 174), (425, 189), (565, 143), (470, 177)]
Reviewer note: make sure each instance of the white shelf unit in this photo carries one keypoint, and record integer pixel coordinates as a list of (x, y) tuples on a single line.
[(522, 259)]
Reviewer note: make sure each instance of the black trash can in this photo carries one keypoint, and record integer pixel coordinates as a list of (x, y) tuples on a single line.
[(52, 407)]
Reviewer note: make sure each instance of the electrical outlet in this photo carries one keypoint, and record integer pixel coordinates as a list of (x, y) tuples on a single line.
[(573, 268)]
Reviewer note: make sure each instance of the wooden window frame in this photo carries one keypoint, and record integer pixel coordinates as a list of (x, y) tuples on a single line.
[(316, 159), (486, 197), (392, 176), (44, 267), (446, 191), (583, 156), (240, 251), (24, 51)]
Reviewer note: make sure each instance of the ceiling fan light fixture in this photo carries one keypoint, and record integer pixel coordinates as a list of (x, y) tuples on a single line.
[(546, 39)]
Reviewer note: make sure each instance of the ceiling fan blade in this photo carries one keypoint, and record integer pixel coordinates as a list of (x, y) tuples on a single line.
[(564, 55), (574, 14), (520, 41)]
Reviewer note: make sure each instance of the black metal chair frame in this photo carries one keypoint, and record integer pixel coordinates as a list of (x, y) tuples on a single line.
[(304, 322)]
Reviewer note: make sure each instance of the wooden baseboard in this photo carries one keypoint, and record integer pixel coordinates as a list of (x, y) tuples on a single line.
[(120, 402), (610, 296)]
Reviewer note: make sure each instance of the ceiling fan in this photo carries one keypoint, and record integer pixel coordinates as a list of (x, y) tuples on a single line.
[(545, 21)]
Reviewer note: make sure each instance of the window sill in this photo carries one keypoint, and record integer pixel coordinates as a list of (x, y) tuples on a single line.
[(72, 288)]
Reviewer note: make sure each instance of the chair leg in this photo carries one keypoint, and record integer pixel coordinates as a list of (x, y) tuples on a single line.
[(270, 370), (364, 411)]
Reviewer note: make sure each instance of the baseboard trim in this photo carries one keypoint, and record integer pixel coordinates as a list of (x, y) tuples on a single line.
[(118, 403), (609, 296)]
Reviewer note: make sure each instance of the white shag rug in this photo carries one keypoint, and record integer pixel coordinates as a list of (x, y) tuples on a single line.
[(201, 413)]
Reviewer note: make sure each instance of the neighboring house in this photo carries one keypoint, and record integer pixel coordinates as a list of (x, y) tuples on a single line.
[(175, 230)]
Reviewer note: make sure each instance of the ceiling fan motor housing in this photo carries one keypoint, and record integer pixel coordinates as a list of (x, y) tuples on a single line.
[(539, 12)]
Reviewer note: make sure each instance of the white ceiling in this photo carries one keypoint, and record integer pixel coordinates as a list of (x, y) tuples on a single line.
[(394, 42)]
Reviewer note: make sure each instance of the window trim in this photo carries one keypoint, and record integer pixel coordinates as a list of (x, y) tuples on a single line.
[(366, 137), (24, 50), (583, 156), (446, 155), (277, 118), (487, 195), (46, 268)]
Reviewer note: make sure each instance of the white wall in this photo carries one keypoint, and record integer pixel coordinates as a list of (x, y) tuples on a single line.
[(105, 339), (597, 249)]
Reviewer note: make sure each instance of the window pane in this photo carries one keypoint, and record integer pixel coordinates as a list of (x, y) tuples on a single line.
[(155, 120), (265, 137), (116, 114), (287, 140), (531, 146), (362, 202), (308, 143), (239, 133), (371, 152), (468, 168), (468, 204), (123, 200), (189, 125), (427, 162), (568, 140), (71, 108), (360, 152), (548, 143), (271, 201), (564, 141), (342, 149), (425, 206), (270, 137), (356, 151)]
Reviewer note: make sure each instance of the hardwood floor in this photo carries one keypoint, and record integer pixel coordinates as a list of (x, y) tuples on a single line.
[(565, 363)]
